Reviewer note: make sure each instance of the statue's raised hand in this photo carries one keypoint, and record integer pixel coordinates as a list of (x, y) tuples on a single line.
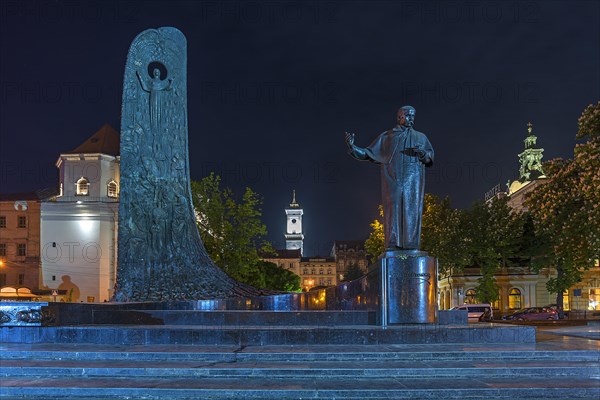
[(350, 139)]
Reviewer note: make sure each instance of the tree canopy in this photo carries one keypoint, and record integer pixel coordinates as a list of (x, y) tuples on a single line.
[(566, 209), (233, 235)]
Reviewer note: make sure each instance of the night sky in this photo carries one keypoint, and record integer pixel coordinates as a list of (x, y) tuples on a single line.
[(273, 86)]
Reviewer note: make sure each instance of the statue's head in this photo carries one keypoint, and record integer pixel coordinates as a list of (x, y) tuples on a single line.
[(406, 116), (156, 73)]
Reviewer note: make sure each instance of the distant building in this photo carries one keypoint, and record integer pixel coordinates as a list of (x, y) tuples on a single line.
[(20, 239), (79, 225), (286, 259), (520, 287), (349, 252), (317, 271), (294, 238)]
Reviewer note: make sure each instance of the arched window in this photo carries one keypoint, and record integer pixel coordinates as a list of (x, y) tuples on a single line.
[(82, 187), (470, 296), (514, 299), (112, 189)]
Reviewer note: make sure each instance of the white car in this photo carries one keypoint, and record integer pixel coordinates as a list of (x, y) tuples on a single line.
[(477, 312)]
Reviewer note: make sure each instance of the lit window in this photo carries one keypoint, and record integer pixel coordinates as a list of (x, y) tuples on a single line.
[(594, 299), (21, 222), (112, 189), (82, 187), (2, 249), (470, 296), (2, 221), (21, 250), (566, 305), (496, 304), (514, 299)]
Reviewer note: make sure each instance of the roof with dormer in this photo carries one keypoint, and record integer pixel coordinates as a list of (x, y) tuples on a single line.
[(105, 141)]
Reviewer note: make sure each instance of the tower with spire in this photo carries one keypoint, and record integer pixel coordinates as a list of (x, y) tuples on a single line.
[(531, 173), (530, 159), (293, 234)]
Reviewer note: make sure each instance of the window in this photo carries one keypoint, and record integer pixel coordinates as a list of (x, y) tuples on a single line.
[(313, 271), (470, 296), (566, 305), (328, 282), (321, 271), (321, 282), (2, 221), (82, 187), (514, 299), (496, 304), (291, 265), (2, 249), (305, 272), (328, 271), (21, 222), (112, 189), (21, 250), (21, 279), (594, 299), (2, 280)]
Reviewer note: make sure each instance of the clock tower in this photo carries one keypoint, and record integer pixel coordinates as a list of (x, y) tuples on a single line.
[(293, 232)]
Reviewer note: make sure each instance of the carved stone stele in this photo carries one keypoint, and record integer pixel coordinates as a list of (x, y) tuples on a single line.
[(160, 253)]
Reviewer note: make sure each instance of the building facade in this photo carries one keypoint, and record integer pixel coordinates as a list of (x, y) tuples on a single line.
[(294, 238), (520, 287), (349, 252), (79, 225), (317, 272), (20, 240)]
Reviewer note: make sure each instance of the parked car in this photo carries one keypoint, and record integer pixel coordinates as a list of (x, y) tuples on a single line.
[(477, 312), (533, 314)]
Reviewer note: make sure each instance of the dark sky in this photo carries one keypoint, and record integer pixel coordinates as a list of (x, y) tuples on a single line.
[(273, 86)]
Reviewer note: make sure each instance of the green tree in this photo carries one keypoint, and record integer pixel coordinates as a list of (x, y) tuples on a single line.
[(494, 237), (353, 272), (232, 231), (566, 209), (375, 244), (278, 278), (442, 233)]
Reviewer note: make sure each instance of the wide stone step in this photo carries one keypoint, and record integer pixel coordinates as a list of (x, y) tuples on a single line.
[(355, 388), (270, 335), (346, 354), (297, 369)]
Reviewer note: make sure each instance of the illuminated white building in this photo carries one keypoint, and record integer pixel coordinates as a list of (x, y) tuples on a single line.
[(294, 239), (79, 227)]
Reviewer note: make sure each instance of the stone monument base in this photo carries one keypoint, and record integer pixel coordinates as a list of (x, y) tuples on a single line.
[(408, 291)]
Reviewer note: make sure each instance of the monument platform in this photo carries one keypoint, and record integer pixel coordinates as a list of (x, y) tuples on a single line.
[(556, 367)]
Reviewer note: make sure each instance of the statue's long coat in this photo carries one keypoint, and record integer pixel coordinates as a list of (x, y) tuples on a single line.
[(402, 183)]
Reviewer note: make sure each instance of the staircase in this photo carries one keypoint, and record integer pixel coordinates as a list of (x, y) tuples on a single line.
[(440, 371)]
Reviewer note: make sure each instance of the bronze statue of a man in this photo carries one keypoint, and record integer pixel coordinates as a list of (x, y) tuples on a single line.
[(403, 154)]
